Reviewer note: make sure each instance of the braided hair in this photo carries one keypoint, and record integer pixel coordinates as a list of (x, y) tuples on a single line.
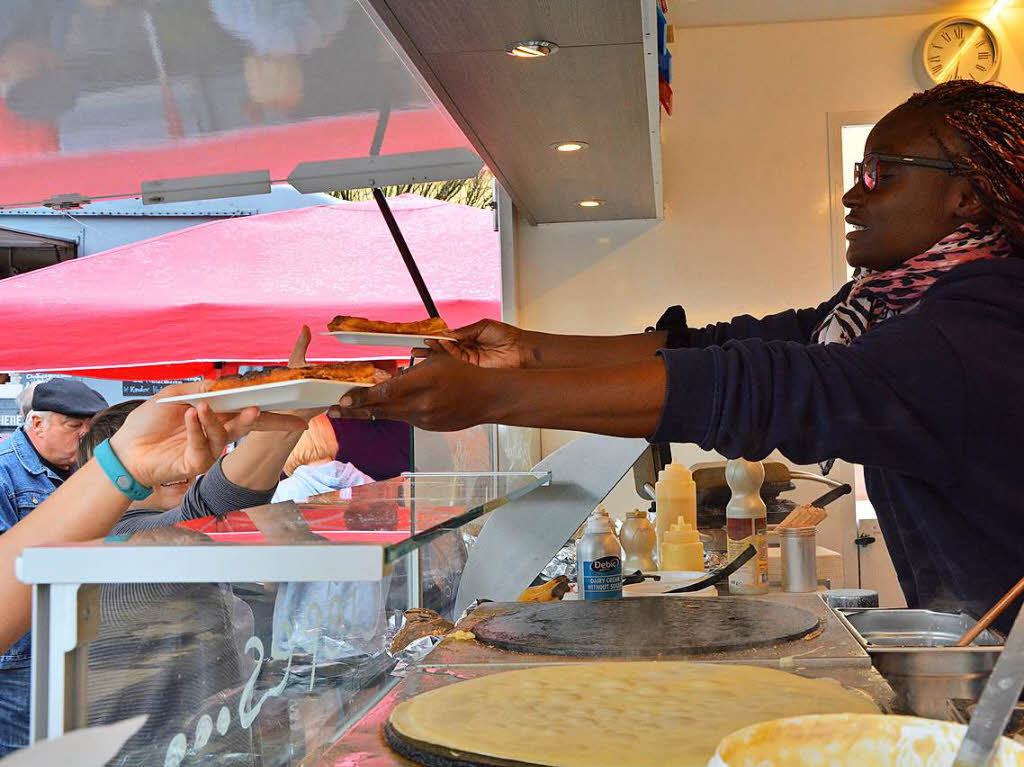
[(989, 119)]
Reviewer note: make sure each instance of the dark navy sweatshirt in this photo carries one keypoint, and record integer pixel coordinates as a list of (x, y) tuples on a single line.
[(930, 402)]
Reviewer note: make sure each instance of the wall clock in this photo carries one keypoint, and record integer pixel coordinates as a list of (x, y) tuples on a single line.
[(960, 48)]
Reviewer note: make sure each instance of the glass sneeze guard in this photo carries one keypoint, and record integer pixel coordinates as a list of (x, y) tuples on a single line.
[(378, 524)]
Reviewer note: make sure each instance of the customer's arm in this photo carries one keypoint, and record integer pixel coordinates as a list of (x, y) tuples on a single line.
[(244, 478), (157, 443)]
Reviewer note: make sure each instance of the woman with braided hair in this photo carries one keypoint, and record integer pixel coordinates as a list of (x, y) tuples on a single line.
[(914, 369)]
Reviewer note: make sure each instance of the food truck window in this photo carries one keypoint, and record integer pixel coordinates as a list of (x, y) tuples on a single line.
[(853, 137)]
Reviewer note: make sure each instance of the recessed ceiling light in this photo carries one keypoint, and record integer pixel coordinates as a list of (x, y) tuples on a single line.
[(531, 49), (569, 146), (591, 203)]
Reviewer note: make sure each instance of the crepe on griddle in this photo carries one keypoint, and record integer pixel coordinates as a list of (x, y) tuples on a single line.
[(613, 714)]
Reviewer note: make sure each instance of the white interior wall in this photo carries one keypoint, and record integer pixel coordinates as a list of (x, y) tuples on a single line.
[(748, 220)]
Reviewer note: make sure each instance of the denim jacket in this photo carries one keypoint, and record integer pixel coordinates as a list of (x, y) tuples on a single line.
[(25, 482)]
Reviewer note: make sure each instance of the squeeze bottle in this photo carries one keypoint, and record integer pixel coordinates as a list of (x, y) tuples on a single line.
[(637, 537), (746, 520), (676, 496), (681, 549)]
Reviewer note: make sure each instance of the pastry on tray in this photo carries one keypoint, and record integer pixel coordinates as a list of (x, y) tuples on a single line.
[(343, 372), (419, 622), (431, 326)]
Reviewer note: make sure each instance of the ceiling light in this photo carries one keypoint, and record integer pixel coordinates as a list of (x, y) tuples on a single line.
[(531, 49), (591, 203), (569, 146)]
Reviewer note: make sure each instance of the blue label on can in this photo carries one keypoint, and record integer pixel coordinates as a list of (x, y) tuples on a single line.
[(602, 578)]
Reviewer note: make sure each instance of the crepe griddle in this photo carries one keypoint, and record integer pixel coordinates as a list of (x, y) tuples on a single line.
[(431, 755), (642, 628)]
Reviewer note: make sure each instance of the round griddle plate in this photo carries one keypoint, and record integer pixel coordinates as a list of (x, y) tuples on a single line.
[(432, 755), (644, 628)]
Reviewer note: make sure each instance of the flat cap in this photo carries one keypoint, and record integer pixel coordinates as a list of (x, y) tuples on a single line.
[(67, 397)]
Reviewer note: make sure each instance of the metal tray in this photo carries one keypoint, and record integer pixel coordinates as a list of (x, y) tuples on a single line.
[(911, 649), (884, 627)]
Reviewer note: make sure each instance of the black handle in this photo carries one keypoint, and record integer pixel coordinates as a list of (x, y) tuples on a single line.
[(718, 575), (832, 495), (403, 249)]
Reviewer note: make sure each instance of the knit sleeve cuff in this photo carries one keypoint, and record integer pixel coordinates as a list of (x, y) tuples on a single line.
[(690, 396)]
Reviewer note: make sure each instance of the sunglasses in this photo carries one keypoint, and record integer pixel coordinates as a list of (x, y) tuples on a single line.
[(868, 172)]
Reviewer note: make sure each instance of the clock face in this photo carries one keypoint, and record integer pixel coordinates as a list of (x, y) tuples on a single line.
[(961, 49)]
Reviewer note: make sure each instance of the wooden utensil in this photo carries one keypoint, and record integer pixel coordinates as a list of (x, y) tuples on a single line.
[(991, 615), (812, 514)]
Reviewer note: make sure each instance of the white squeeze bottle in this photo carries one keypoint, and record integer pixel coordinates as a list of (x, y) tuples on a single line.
[(637, 538), (676, 498), (746, 519)]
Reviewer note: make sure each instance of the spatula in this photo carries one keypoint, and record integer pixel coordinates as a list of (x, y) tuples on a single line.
[(997, 701)]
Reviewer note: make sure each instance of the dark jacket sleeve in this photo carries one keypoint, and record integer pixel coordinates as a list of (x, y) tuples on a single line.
[(212, 493), (790, 325), (894, 399)]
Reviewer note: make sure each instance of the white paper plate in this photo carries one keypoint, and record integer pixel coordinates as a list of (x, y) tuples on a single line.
[(670, 579), (304, 394), (401, 340)]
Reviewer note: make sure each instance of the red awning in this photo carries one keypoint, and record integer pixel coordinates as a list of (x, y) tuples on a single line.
[(237, 290)]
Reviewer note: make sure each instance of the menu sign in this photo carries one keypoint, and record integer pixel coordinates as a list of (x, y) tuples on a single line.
[(149, 388), (10, 417)]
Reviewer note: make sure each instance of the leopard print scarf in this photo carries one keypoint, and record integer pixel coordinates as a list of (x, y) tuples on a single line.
[(877, 296)]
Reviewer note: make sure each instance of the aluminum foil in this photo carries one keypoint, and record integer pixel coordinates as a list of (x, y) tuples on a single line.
[(417, 650), (563, 563), (715, 559)]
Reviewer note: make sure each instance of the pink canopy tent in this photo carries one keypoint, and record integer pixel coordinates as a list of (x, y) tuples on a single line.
[(237, 291)]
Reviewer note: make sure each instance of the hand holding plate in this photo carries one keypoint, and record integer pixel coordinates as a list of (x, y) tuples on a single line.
[(487, 343), (441, 394)]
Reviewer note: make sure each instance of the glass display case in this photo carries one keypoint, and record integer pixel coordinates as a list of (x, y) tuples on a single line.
[(256, 637), (262, 636)]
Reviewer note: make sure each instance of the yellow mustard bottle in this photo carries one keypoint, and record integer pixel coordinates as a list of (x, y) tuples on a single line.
[(682, 549), (676, 498)]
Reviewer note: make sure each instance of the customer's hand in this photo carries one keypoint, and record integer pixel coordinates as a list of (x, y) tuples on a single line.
[(487, 343), (298, 360), (166, 442), (441, 394)]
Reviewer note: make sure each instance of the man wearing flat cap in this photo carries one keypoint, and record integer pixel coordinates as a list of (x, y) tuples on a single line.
[(34, 461)]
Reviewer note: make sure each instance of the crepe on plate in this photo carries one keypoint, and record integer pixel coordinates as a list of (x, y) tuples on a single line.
[(432, 326), (343, 372)]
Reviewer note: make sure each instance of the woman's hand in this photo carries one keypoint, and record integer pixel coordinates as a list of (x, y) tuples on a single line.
[(166, 442), (441, 394), (487, 343), (298, 360), (298, 357)]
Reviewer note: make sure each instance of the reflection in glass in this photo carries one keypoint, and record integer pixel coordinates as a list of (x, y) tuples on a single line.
[(128, 91)]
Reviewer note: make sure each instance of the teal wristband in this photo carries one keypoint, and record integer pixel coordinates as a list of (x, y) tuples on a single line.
[(118, 474)]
